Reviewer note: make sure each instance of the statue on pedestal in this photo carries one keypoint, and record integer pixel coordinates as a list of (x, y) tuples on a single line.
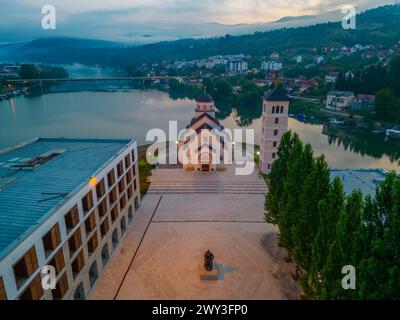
[(208, 260)]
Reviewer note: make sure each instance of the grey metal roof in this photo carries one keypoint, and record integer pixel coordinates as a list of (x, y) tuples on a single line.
[(340, 93), (277, 94), (364, 179), (22, 191)]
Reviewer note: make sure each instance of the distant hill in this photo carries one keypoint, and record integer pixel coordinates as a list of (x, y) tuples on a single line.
[(286, 19), (58, 45), (377, 26)]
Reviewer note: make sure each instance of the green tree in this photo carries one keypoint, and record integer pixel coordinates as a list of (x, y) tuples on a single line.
[(393, 75), (341, 253), (29, 71), (331, 208), (274, 200), (385, 105), (299, 167), (379, 267), (314, 190)]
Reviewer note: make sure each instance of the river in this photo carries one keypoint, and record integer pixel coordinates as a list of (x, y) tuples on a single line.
[(131, 113)]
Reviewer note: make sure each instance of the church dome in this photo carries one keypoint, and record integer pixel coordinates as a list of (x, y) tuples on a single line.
[(204, 98)]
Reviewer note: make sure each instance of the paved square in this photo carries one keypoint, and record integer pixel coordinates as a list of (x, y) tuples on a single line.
[(172, 231)]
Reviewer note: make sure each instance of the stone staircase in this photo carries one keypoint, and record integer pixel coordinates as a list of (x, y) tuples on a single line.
[(209, 186)]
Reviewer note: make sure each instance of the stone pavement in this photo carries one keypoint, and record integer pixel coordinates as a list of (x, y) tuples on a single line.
[(179, 228)]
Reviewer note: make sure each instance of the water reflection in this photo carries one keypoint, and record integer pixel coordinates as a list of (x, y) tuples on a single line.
[(131, 113)]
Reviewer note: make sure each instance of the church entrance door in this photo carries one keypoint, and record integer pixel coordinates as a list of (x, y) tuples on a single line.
[(205, 167)]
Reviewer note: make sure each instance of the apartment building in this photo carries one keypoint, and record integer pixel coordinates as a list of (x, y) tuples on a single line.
[(64, 203)]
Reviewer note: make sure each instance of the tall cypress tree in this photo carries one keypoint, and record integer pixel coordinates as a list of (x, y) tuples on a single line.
[(331, 209), (341, 253), (290, 194), (315, 189), (379, 267), (277, 177)]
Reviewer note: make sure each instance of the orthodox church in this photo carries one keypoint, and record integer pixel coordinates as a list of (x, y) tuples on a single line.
[(206, 157)]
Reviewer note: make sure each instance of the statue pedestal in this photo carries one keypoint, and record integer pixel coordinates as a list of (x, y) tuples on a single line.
[(208, 275)]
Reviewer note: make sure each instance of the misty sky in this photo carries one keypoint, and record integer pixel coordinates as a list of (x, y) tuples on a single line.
[(21, 18)]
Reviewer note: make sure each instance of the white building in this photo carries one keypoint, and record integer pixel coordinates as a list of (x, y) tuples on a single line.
[(204, 121), (238, 66), (319, 59), (71, 202), (339, 100), (331, 77), (271, 66), (274, 124), (299, 59)]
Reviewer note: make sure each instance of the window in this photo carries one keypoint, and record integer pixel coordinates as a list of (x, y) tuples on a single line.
[(51, 240), (123, 225), (111, 178), (34, 290), (122, 202), (3, 293), (121, 186), (134, 185), (61, 287), (282, 109), (71, 219), (90, 223), (78, 264), (114, 238), (120, 169), (276, 120), (58, 261), (87, 202), (275, 132), (269, 166), (113, 196), (114, 214), (92, 243), (79, 292), (102, 208), (127, 161), (25, 267), (75, 242), (100, 189), (105, 255), (273, 155), (104, 227), (128, 177), (130, 192), (93, 273), (273, 109), (275, 143)]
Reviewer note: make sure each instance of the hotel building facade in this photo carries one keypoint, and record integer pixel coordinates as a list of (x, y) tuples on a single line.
[(64, 203)]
